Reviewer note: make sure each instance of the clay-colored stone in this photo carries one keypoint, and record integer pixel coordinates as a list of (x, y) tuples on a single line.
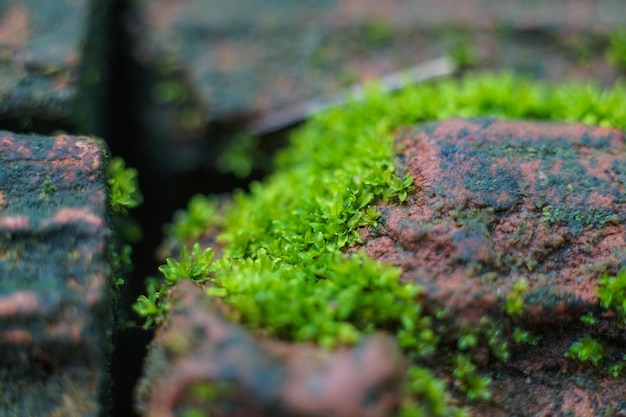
[(497, 201)]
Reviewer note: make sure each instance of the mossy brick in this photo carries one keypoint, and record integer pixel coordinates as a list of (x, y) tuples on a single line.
[(201, 363), (55, 290), (53, 58), (499, 201)]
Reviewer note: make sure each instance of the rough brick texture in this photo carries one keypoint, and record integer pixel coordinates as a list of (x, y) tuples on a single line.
[(55, 291), (497, 201)]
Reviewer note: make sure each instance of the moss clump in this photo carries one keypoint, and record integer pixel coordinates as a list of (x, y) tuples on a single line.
[(587, 349), (616, 53), (284, 268), (201, 213), (612, 292), (124, 192)]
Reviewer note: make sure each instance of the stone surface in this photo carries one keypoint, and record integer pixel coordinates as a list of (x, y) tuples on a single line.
[(201, 362), (498, 201), (51, 74), (55, 290)]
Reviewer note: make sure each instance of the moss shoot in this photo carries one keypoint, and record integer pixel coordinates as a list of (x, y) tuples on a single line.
[(284, 268)]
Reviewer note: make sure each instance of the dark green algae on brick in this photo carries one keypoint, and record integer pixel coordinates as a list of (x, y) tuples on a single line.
[(55, 291)]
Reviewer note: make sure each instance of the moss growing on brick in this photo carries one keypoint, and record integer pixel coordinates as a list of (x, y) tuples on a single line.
[(284, 268)]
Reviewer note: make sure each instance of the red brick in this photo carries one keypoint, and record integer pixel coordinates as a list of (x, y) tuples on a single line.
[(497, 201), (500, 200)]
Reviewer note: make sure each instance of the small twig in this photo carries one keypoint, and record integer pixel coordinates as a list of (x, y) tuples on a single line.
[(281, 119)]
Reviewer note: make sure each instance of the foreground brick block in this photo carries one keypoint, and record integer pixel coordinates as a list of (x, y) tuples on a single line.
[(201, 364), (52, 71), (55, 292)]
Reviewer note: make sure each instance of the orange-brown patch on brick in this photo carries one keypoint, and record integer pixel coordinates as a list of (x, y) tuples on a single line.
[(15, 222), (19, 302), (17, 336), (70, 214)]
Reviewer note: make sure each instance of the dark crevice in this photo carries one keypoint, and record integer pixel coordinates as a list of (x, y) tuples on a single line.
[(129, 341), (164, 192)]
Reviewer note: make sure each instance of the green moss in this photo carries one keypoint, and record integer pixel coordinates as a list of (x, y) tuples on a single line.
[(617, 369), (124, 193), (240, 156), (462, 52), (48, 186), (285, 269), (475, 386), (586, 349), (616, 53), (515, 299), (201, 213), (612, 292), (378, 33)]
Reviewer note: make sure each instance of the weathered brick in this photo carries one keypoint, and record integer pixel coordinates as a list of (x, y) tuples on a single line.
[(53, 65), (498, 201), (55, 290)]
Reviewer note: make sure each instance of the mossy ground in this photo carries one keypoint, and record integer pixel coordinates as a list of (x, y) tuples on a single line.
[(284, 267)]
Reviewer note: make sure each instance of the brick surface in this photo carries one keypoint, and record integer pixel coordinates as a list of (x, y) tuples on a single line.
[(498, 201), (55, 290), (200, 362), (52, 66)]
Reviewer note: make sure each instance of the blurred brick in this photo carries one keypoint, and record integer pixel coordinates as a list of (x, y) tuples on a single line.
[(209, 69), (55, 292), (199, 362), (52, 66)]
